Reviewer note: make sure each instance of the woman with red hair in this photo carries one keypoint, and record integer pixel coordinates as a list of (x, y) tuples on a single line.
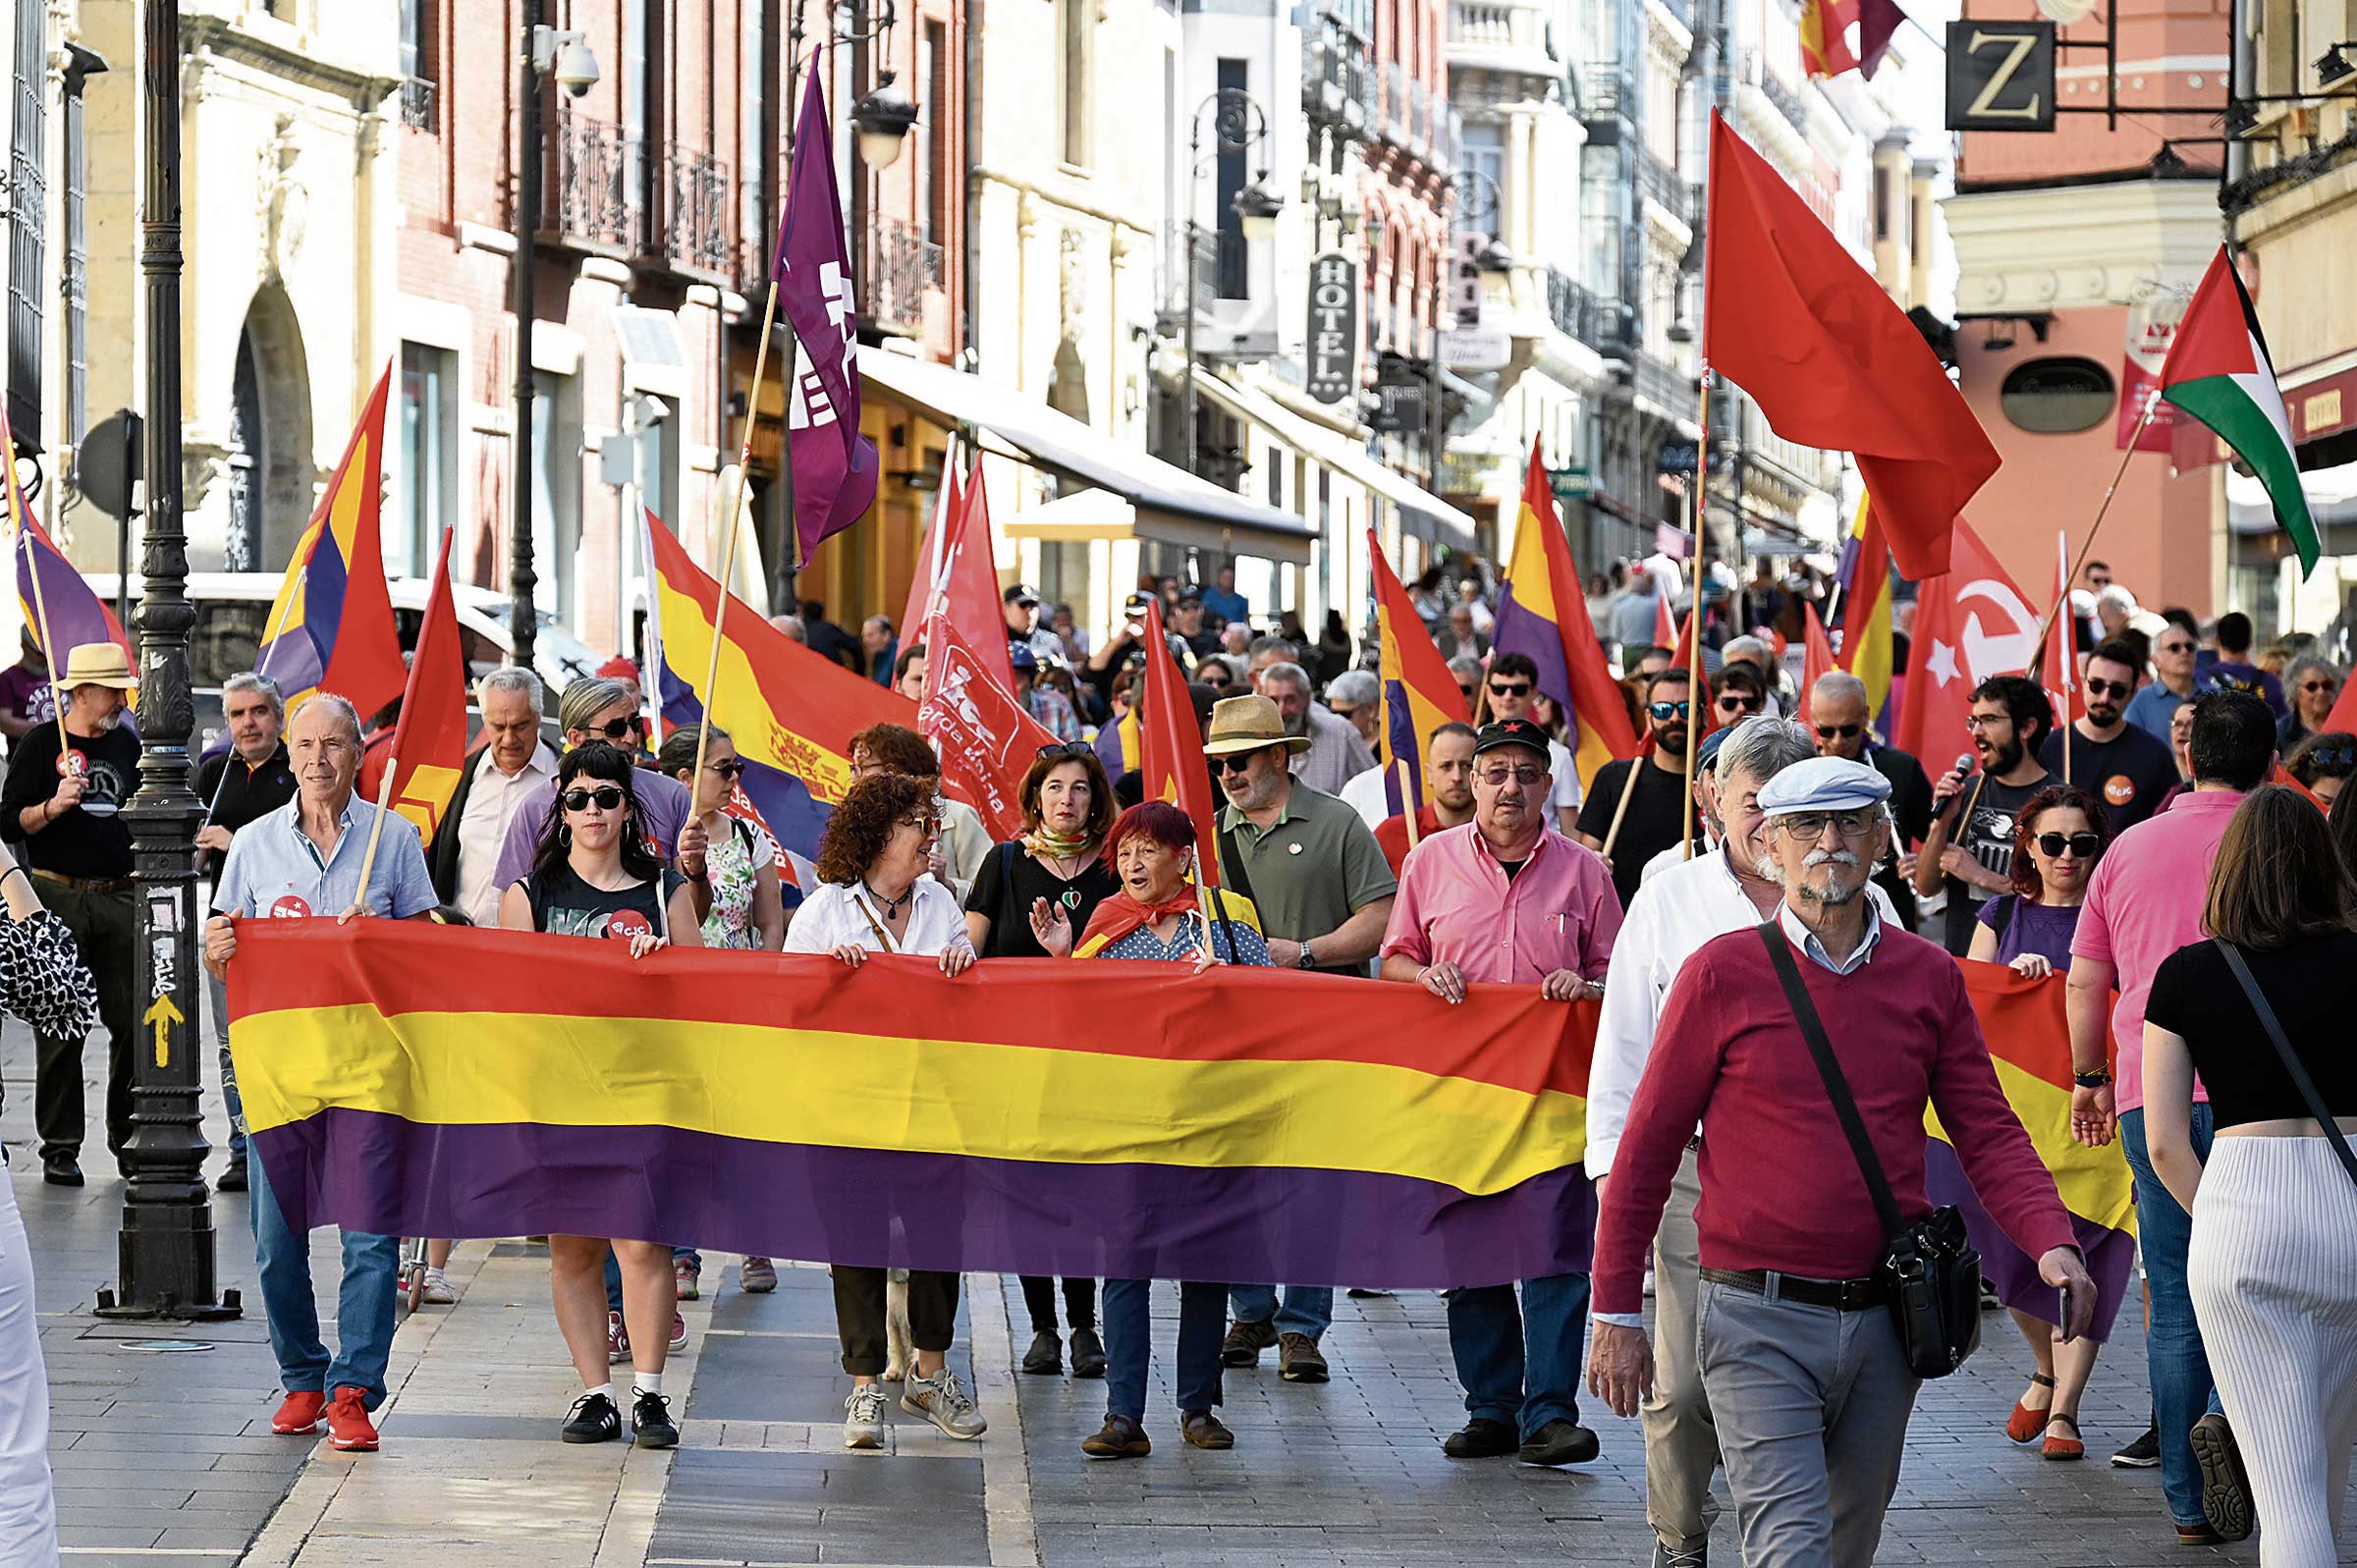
[(1160, 913)]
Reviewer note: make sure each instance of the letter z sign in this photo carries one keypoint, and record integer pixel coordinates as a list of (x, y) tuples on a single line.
[(2000, 76)]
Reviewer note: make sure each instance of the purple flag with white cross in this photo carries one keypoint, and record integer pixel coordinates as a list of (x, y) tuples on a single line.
[(833, 466)]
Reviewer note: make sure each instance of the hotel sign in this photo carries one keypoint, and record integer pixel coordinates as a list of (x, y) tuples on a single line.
[(1331, 350)]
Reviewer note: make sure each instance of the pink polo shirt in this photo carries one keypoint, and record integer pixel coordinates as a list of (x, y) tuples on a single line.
[(2143, 903), (1456, 903)]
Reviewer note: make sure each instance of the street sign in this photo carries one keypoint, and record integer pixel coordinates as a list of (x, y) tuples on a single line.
[(2000, 76), (1476, 347), (1464, 277), (1570, 484), (108, 464), (1332, 351)]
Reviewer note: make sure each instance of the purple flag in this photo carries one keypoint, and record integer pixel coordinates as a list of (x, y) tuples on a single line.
[(833, 466)]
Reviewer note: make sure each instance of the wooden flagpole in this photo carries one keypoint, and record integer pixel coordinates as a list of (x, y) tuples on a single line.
[(735, 508), (2045, 623), (1409, 803), (1696, 707), (376, 830), (40, 608)]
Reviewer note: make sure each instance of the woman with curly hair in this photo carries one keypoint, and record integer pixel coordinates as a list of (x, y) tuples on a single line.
[(2323, 763), (875, 897), (2057, 838), (593, 876)]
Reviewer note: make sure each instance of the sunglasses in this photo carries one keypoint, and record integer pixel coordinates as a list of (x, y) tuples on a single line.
[(1238, 761), (2082, 845), (2115, 689), (2334, 757), (608, 798), (730, 770), (2174, 647), (1342, 712), (2316, 685), (1066, 748), (1733, 702), (1670, 710), (1841, 732), (926, 826), (615, 729), (1810, 825), (1510, 688), (1467, 691)]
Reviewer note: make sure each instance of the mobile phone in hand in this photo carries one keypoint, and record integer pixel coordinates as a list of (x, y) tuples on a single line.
[(2064, 1320)]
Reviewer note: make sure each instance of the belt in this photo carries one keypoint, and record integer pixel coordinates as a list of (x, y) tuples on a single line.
[(1842, 1295), (85, 883)]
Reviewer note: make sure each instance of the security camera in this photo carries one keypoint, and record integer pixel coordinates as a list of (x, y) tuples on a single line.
[(576, 68)]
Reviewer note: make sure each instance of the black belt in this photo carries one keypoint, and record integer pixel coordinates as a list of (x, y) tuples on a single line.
[(1842, 1295), (85, 883)]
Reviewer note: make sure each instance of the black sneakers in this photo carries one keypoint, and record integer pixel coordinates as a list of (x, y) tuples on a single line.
[(594, 1420), (651, 1425), (1559, 1442), (1045, 1358), (1481, 1438)]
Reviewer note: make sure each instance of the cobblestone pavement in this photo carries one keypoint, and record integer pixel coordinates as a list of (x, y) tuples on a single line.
[(164, 1459)]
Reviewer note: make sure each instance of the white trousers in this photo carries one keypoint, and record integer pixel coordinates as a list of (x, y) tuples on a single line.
[(28, 1507), (2272, 1271)]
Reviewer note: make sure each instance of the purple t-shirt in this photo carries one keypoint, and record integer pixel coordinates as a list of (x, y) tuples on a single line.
[(2024, 927), (26, 695)]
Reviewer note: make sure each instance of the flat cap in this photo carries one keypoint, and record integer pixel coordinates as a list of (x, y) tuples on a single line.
[(1823, 784)]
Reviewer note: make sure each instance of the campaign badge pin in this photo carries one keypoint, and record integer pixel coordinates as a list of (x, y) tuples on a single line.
[(624, 924), (290, 906)]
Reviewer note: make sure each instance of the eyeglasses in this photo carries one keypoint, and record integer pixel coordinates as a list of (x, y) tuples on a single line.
[(2333, 756), (1982, 721), (2082, 845), (1467, 691), (1343, 713), (1838, 731), (926, 825), (1670, 710), (2096, 687), (613, 729), (1510, 688), (1496, 778), (608, 798), (2316, 685), (2174, 647), (1808, 826), (1066, 748), (731, 770)]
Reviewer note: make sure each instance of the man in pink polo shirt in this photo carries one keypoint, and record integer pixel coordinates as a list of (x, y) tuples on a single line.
[(1505, 899), (2144, 903)]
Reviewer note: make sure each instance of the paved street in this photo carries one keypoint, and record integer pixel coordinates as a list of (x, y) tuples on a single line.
[(164, 1458)]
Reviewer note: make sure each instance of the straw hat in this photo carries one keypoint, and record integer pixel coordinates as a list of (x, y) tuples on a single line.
[(1247, 724), (97, 664)]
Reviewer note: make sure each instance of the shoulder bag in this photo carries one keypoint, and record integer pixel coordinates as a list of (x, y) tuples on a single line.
[(1930, 1268), (2291, 1062)]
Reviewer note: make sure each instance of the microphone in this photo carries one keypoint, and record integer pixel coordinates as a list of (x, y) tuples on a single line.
[(1964, 765)]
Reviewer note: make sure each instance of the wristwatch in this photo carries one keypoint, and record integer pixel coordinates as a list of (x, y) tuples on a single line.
[(1305, 961), (2095, 1078)]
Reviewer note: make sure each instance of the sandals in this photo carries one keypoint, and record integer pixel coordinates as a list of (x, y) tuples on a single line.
[(2026, 1424), (2059, 1446)]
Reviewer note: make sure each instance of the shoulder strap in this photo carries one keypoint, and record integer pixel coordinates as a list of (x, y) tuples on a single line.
[(2009, 905), (1232, 864), (1227, 926), (1837, 1087), (2291, 1062)]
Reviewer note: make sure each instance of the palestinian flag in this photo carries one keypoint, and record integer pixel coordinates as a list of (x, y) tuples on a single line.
[(2217, 371)]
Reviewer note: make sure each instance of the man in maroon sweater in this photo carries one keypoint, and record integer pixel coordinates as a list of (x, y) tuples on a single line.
[(1799, 1357)]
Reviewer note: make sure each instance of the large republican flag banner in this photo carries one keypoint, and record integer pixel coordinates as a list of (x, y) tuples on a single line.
[(1417, 692)]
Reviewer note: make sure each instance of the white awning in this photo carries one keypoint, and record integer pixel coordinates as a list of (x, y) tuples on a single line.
[(2332, 497), (1170, 504)]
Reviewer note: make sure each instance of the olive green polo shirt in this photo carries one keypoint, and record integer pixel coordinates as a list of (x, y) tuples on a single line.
[(1312, 868)]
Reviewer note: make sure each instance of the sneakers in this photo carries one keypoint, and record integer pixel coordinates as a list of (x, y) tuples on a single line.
[(2142, 1455), (651, 1425), (1244, 1343), (685, 1272), (348, 1428), (1559, 1442), (1203, 1430), (2226, 1488), (438, 1291), (940, 1401), (618, 1340), (756, 1276), (1697, 1555), (299, 1415), (1118, 1438), (679, 1333), (1088, 1354), (1299, 1360), (594, 1420), (864, 1418), (1045, 1358), (1480, 1438)]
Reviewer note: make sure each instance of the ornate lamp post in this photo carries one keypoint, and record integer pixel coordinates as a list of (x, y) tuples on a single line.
[(1238, 125)]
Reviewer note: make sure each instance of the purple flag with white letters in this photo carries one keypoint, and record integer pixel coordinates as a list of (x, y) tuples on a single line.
[(833, 466)]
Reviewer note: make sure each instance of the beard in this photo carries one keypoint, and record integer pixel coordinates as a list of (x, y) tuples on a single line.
[(2004, 759), (1835, 894)]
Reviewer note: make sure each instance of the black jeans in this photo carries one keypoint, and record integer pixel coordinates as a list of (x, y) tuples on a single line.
[(859, 1315), (1079, 1303), (105, 929)]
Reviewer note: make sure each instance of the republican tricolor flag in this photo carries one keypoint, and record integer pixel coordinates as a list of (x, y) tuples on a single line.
[(1417, 692), (1544, 614)]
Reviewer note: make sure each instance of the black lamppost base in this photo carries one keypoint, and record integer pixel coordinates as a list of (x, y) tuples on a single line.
[(168, 1310)]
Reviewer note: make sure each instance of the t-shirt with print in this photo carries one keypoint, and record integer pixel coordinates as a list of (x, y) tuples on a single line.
[(1009, 878), (564, 906), (2128, 772), (1986, 835), (26, 695)]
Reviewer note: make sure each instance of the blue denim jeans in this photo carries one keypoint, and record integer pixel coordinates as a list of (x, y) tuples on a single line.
[(217, 995), (1521, 1364), (1308, 1309), (2182, 1388), (364, 1302), (1129, 1339)]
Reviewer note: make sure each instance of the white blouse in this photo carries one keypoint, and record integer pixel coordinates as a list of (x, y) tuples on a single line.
[(840, 913)]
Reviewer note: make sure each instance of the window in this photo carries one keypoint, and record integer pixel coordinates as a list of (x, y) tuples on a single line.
[(1480, 197), (1882, 201), (1228, 181), (555, 481), (642, 114), (1076, 22), (429, 459), (2055, 397)]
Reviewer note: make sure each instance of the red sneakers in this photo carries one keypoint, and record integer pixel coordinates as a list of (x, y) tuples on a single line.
[(347, 1424), (299, 1415)]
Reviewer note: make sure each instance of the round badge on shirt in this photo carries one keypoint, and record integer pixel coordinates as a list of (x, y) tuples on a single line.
[(624, 924), (289, 906), (2119, 789), (71, 764)]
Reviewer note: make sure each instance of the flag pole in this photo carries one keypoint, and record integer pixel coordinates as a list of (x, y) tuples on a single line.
[(376, 830), (735, 509), (1628, 787), (1696, 707), (2047, 625), (1409, 803)]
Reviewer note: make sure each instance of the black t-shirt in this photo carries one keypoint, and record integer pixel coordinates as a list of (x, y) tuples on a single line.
[(1987, 836), (565, 905), (2128, 774), (1655, 813), (91, 840), (1010, 878), (2312, 984), (237, 793)]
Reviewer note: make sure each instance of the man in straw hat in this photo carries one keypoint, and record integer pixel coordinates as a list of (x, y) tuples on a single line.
[(1325, 893), (66, 783)]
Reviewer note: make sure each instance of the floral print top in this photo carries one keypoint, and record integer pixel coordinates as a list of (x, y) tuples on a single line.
[(734, 864)]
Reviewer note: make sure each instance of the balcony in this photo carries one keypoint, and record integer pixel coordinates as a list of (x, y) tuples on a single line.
[(1781, 97), (1171, 273), (1660, 183), (1666, 386), (1447, 140), (1338, 81), (604, 197), (698, 237), (1577, 313), (900, 265), (417, 103), (1604, 87), (1510, 36)]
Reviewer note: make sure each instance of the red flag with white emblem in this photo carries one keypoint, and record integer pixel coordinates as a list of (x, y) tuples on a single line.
[(1971, 622)]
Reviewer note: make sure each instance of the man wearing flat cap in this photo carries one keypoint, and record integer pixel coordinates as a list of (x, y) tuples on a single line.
[(1800, 1357)]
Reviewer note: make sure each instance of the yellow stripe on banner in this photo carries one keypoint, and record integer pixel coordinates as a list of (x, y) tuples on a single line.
[(2094, 1182), (785, 1086), (740, 705)]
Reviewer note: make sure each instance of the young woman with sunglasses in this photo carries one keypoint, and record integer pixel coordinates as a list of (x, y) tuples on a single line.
[(2322, 763), (594, 877), (2057, 838)]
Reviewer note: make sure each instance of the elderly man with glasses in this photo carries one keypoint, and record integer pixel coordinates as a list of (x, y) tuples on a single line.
[(1514, 693), (2173, 652)]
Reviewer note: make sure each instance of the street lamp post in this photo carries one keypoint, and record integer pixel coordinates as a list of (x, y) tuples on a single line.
[(166, 1247), (1237, 126)]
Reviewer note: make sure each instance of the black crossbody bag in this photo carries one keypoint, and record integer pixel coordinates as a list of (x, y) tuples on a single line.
[(1930, 1268), (2291, 1062)]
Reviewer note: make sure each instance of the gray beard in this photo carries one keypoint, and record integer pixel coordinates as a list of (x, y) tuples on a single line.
[(1832, 898)]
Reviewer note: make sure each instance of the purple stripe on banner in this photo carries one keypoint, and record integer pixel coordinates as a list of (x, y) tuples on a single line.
[(2111, 1254), (368, 1171), (1401, 740), (323, 581), (1518, 629)]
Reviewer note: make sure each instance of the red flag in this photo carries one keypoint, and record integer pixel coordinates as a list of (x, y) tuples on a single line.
[(1172, 748), (1791, 318), (428, 750), (1971, 622), (2059, 667), (1665, 632), (1825, 36), (1817, 659), (961, 577), (986, 738), (2345, 709)]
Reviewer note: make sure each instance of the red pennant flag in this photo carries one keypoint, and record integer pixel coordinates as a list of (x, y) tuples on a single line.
[(1817, 659), (1971, 622), (1664, 625), (2345, 709), (2058, 668), (986, 738), (1791, 318), (428, 750), (961, 577), (1170, 747)]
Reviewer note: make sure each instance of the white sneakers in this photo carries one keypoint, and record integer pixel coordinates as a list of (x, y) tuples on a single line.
[(863, 1419), (940, 1401)]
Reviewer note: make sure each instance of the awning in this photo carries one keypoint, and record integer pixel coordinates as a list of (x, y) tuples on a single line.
[(2332, 499), (1169, 504), (1422, 514)]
